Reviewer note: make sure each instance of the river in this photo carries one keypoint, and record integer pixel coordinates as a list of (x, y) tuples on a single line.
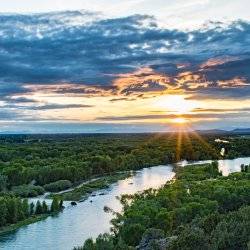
[(88, 219)]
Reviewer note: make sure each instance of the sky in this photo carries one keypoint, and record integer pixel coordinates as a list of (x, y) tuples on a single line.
[(124, 66)]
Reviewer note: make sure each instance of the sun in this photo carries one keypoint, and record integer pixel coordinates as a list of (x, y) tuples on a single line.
[(179, 120)]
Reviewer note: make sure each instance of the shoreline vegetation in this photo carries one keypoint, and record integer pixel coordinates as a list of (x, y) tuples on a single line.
[(201, 209), (26, 222), (77, 194), (16, 212), (85, 190), (31, 165)]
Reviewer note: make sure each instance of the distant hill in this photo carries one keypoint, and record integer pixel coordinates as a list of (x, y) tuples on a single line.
[(245, 131), (213, 131), (221, 131), (241, 131)]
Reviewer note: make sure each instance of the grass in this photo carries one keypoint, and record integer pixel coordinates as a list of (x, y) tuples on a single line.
[(85, 190)]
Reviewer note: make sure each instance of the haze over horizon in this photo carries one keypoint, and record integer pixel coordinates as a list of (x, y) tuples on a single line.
[(131, 66)]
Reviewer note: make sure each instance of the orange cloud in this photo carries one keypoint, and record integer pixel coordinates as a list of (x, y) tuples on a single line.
[(143, 80), (235, 82), (218, 61)]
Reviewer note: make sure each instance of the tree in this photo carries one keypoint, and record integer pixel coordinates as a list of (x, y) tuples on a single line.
[(39, 208), (191, 238), (132, 234), (89, 245), (61, 204), (32, 206), (44, 207), (12, 210), (25, 207), (55, 205), (3, 212), (3, 182)]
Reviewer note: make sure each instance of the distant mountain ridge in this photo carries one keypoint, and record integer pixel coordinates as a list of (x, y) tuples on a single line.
[(221, 131), (209, 131), (241, 130)]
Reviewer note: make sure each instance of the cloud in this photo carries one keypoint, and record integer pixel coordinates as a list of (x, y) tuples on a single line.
[(75, 53), (59, 106), (122, 99), (194, 116), (71, 89), (8, 114), (61, 47), (221, 110)]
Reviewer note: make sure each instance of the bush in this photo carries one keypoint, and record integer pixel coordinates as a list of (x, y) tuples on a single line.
[(58, 186), (28, 190)]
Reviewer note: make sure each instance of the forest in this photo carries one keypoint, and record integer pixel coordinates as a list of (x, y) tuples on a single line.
[(31, 165), (199, 210), (40, 161)]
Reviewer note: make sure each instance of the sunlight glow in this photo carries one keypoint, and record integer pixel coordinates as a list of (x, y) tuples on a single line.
[(179, 120), (176, 103)]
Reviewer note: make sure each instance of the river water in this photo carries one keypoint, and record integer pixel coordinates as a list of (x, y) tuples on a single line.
[(88, 219)]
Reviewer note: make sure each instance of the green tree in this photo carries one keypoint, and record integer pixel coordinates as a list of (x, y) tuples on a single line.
[(3, 212), (55, 205), (89, 245), (3, 182), (25, 207), (44, 207), (132, 234), (32, 207), (39, 208)]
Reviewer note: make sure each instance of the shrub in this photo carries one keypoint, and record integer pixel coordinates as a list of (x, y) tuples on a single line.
[(28, 190), (58, 186)]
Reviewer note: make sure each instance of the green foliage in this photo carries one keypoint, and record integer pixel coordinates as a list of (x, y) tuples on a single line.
[(199, 210), (3, 182), (28, 190), (204, 171), (28, 162), (58, 186), (44, 207), (245, 168), (89, 187), (39, 208), (56, 205), (12, 210), (32, 206), (26, 208), (45, 159)]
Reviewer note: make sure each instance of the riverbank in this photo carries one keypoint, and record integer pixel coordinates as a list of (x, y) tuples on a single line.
[(30, 220), (84, 190), (88, 219), (200, 209), (81, 192)]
